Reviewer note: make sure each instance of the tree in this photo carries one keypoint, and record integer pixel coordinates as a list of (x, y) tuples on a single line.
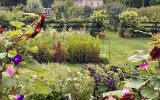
[(47, 3), (34, 6), (9, 3)]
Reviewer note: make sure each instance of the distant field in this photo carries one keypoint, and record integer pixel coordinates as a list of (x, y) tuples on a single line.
[(120, 48)]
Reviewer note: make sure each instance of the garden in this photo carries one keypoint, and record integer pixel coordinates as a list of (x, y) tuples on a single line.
[(111, 52)]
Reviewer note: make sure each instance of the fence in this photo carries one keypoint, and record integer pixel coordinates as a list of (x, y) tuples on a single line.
[(93, 27), (153, 27)]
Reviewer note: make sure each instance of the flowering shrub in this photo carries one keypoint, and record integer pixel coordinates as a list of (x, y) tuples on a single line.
[(129, 18), (100, 17), (82, 48), (103, 82), (72, 47)]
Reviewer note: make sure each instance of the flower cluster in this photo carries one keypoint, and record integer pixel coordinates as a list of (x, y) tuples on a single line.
[(108, 81)]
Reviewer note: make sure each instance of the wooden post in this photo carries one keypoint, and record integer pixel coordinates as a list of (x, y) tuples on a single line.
[(156, 24), (121, 29)]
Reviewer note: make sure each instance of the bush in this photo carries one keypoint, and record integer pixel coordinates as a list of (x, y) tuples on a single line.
[(71, 81), (101, 18), (73, 47), (113, 10), (10, 15), (82, 48), (152, 13), (129, 18), (44, 42), (55, 82)]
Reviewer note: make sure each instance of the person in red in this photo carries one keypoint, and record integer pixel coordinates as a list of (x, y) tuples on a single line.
[(38, 26)]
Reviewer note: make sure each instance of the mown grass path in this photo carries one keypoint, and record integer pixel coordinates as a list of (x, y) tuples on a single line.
[(121, 48)]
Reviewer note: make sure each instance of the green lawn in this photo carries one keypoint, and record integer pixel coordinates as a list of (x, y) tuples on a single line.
[(121, 48)]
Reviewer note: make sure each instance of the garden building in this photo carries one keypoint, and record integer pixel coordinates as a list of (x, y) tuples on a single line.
[(90, 3)]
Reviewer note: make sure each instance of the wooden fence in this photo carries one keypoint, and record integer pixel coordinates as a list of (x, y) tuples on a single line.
[(153, 27), (93, 27)]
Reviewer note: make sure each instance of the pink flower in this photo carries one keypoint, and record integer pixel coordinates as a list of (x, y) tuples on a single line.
[(127, 95), (111, 98), (144, 65), (10, 71), (126, 91)]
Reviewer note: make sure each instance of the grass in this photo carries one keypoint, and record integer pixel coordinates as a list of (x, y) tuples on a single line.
[(121, 48)]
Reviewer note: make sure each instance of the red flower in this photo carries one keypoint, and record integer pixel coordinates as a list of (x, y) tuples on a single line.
[(2, 28), (38, 26), (155, 53), (127, 97)]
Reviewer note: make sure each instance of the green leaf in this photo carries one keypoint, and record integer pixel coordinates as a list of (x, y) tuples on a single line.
[(118, 93), (34, 49), (8, 82), (149, 92), (155, 81), (15, 32), (135, 82), (157, 69), (31, 14), (32, 64), (146, 72), (138, 57), (30, 31), (17, 24), (2, 55), (12, 53)]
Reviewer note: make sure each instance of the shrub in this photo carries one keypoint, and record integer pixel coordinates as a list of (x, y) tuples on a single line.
[(44, 42), (101, 18), (129, 18), (152, 13), (71, 81), (73, 47), (113, 10), (82, 48), (10, 15), (55, 82)]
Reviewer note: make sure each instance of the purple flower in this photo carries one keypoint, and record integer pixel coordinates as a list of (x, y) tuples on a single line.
[(155, 53), (20, 97), (17, 59), (10, 71), (144, 65)]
